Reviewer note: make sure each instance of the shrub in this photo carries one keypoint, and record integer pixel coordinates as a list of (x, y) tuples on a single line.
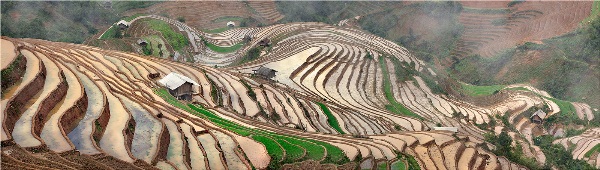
[(181, 19), (515, 2), (557, 156), (7, 79), (250, 92)]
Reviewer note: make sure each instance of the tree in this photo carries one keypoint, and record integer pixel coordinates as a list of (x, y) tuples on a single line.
[(503, 144)]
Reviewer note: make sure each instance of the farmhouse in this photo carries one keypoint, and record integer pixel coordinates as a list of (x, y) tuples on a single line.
[(123, 24), (538, 116), (142, 42), (181, 87), (265, 42), (452, 129), (265, 72), (231, 24)]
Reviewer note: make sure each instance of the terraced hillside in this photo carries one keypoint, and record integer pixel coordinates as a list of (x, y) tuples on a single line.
[(106, 109), (214, 14), (587, 146), (341, 99), (489, 28)]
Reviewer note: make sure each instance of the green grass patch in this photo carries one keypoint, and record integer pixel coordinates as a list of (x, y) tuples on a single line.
[(564, 106), (595, 12), (110, 33), (313, 151), (251, 55), (220, 49), (175, 39), (408, 159), (398, 165), (334, 154), (394, 106), (566, 116), (274, 150), (591, 151), (474, 90), (292, 145), (153, 41), (292, 152), (382, 166), (331, 120)]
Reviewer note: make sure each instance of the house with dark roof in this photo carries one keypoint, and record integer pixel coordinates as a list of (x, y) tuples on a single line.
[(265, 42), (142, 42), (265, 72), (180, 86)]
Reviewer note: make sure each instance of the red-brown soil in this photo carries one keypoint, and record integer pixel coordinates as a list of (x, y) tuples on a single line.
[(202, 14), (526, 22), (102, 122), (47, 105), (71, 117), (485, 4), (163, 146), (130, 131), (14, 107)]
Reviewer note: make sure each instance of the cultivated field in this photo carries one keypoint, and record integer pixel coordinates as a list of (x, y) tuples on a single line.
[(341, 99)]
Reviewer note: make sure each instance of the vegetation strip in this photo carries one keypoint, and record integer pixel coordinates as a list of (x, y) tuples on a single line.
[(591, 151), (175, 39), (314, 148), (394, 106), (331, 120), (474, 90), (220, 49)]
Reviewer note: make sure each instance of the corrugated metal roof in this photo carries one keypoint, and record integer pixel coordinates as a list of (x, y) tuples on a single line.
[(230, 23), (540, 113), (174, 80), (124, 23), (265, 71)]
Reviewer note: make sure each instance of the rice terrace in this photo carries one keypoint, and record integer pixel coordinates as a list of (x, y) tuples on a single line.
[(298, 85)]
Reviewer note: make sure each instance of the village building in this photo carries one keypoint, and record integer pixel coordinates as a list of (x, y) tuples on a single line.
[(231, 24), (538, 117), (142, 42), (265, 42), (180, 86), (265, 72), (123, 24)]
